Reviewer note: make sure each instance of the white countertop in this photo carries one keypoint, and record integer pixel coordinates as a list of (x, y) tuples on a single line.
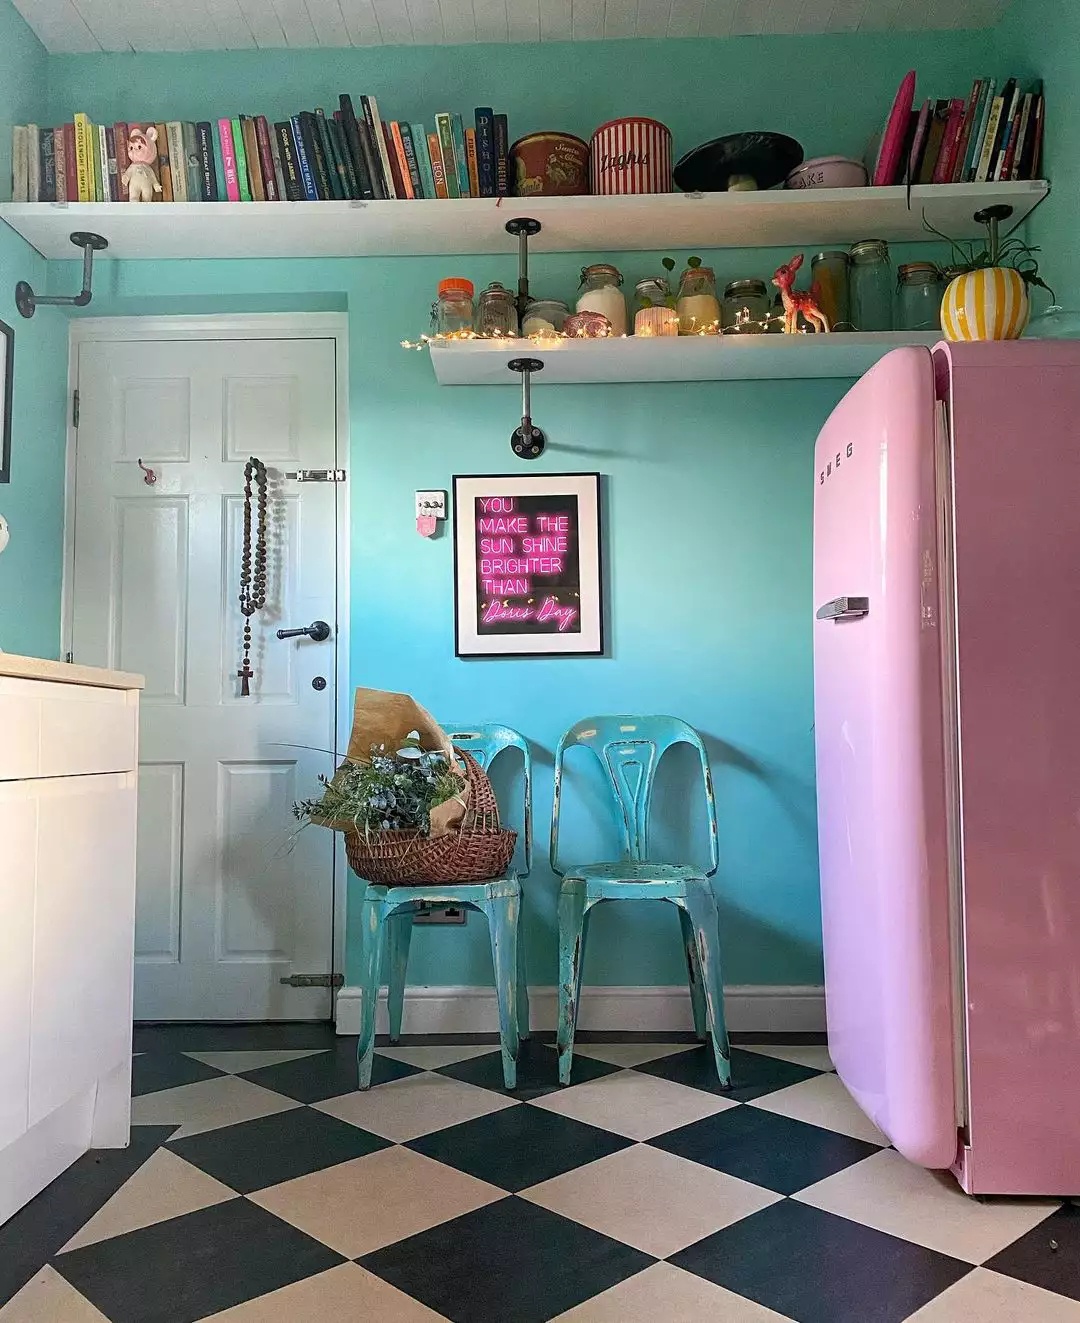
[(37, 668)]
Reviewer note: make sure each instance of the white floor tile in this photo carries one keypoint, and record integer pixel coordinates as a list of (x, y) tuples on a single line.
[(207, 1105), (48, 1298), (823, 1101), (346, 1294), (928, 1207), (235, 1063), (814, 1055), (988, 1297), (633, 1104), (416, 1105), (432, 1058), (630, 1054), (666, 1294)]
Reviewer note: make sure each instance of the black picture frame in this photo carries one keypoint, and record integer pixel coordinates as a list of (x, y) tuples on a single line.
[(587, 639), (7, 386)]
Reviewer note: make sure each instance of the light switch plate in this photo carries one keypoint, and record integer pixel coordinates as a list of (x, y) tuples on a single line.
[(432, 504)]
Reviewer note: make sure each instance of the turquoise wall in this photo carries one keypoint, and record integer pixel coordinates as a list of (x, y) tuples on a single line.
[(708, 485), (33, 502)]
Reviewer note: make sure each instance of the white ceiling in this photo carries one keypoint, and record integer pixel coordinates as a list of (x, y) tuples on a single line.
[(183, 25)]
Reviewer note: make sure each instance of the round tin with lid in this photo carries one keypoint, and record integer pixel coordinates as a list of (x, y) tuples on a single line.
[(549, 165)]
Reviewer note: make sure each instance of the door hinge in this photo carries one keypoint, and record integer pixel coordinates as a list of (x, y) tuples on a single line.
[(74, 408), (314, 981), (317, 475)]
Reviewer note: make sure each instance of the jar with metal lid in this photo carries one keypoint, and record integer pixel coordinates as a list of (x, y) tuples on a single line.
[(601, 292), (776, 316), (871, 286), (697, 304), (544, 317), (654, 308), (496, 311), (830, 276), (745, 309), (453, 313), (919, 292)]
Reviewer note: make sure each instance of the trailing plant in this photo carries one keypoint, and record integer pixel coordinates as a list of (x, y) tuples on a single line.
[(980, 255), (392, 792)]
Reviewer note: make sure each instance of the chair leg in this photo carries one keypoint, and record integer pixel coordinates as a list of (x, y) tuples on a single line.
[(503, 913), (399, 937), (700, 905), (693, 971), (573, 923), (374, 912), (524, 1017)]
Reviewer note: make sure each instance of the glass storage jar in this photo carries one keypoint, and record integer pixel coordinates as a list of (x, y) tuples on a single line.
[(654, 308), (697, 304), (544, 317), (601, 292), (454, 309), (919, 292), (745, 310), (830, 276), (871, 286), (496, 311)]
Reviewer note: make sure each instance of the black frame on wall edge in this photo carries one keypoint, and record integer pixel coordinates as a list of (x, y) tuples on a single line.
[(7, 388)]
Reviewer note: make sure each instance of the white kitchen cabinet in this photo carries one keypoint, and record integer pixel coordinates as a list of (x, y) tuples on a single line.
[(68, 777)]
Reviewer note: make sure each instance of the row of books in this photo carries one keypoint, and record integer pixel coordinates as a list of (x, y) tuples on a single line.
[(311, 156), (996, 134)]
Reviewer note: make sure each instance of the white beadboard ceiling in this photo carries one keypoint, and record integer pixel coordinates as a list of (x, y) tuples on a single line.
[(187, 25)]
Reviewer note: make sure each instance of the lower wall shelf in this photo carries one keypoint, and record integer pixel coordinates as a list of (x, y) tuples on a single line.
[(684, 358)]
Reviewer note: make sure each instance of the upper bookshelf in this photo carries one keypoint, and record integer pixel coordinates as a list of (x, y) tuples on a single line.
[(666, 221)]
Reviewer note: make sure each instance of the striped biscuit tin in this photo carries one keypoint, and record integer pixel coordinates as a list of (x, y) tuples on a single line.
[(989, 304), (630, 155)]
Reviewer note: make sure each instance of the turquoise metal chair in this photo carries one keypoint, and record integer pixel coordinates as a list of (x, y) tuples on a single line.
[(630, 749), (386, 919)]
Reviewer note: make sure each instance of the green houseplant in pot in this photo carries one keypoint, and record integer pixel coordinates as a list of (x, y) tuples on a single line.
[(987, 298)]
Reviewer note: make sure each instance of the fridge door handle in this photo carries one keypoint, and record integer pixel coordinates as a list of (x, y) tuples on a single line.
[(844, 608)]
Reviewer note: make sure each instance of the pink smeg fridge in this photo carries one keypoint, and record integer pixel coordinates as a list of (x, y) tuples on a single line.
[(947, 724)]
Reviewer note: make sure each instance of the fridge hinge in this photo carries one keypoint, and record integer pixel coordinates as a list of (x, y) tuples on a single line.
[(75, 408), (314, 981), (317, 475)]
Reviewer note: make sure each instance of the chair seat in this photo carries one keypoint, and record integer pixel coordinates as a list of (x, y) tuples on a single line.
[(628, 871)]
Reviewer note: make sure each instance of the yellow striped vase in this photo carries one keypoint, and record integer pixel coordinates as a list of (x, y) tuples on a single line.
[(991, 304)]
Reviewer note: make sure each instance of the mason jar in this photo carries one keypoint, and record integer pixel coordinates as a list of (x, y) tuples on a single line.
[(697, 304), (654, 308), (496, 311), (745, 309), (918, 297), (454, 309), (830, 283), (544, 317), (601, 291), (871, 286)]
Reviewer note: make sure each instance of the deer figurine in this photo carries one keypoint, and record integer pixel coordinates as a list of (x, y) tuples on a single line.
[(796, 301)]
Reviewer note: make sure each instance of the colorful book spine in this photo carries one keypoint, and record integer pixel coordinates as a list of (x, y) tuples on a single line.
[(114, 163), (20, 164), (1040, 126), (918, 142), (950, 143), (1009, 161), (47, 187), (412, 160), (939, 117), (313, 146), (251, 156), (472, 165), (986, 101), (398, 143), (33, 162), (266, 159), (204, 146), (445, 130), (965, 131), (101, 164), (85, 186), (228, 160), (343, 155), (60, 164), (371, 152), (71, 166), (351, 128), (378, 138), (243, 179), (192, 162), (95, 168), (1010, 115), (990, 139), (438, 169), (502, 157), (461, 159), (333, 178), (164, 164), (485, 150), (174, 131), (423, 159), (307, 176), (290, 167), (275, 157)]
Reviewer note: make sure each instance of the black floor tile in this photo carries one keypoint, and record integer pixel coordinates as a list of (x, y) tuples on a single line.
[(752, 1075), (519, 1147), (208, 1037), (325, 1075), (255, 1154), (773, 1151), (30, 1238), (537, 1071), (152, 1071), (1048, 1256), (195, 1265), (817, 1268), (510, 1262)]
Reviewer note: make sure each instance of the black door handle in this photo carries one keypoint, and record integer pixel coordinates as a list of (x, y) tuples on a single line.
[(318, 631)]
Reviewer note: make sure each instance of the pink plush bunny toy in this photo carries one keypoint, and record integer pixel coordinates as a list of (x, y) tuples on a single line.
[(139, 178)]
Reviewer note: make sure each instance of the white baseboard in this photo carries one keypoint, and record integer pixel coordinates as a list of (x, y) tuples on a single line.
[(472, 1010)]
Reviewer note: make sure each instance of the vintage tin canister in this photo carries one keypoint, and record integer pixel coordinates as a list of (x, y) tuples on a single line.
[(631, 155), (549, 165)]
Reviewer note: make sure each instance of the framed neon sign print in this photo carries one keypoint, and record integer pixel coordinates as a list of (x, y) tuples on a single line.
[(527, 568)]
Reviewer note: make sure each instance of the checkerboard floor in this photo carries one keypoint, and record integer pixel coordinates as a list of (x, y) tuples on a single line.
[(261, 1187)]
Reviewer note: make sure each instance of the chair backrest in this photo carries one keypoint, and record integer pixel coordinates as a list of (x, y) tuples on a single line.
[(485, 740), (630, 749)]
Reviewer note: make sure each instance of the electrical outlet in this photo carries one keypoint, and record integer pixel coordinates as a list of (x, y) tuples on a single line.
[(439, 913), (432, 504)]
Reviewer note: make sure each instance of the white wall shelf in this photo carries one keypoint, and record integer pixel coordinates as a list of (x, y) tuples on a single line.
[(682, 358), (667, 221)]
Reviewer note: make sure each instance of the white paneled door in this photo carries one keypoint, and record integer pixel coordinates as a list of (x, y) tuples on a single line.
[(231, 898)]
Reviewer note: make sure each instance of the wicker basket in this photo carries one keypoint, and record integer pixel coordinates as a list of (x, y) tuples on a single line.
[(482, 849)]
